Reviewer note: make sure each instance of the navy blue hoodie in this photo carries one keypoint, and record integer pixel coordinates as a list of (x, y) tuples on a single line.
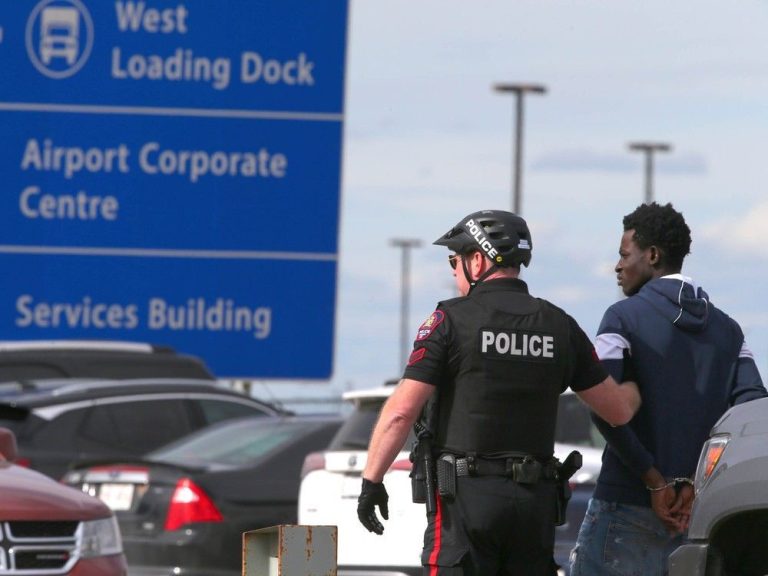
[(691, 364)]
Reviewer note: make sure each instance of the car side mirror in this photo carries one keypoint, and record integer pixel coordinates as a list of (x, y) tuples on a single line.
[(8, 449)]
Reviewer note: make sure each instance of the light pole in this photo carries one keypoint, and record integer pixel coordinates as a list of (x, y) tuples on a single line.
[(519, 90), (649, 148), (405, 244)]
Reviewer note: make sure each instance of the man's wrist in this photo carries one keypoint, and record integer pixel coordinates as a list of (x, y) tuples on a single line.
[(653, 479)]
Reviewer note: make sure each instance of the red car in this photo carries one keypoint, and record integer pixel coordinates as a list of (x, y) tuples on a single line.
[(48, 528)]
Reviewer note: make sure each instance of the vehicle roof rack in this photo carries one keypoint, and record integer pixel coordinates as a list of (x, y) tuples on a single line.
[(107, 345)]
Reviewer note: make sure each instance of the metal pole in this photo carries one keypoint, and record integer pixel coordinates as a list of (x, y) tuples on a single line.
[(519, 122), (648, 178), (519, 91), (405, 282), (648, 149), (405, 274)]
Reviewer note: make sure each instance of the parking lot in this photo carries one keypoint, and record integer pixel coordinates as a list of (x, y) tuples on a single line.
[(182, 462)]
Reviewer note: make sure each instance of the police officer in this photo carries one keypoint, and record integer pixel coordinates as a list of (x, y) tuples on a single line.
[(493, 361)]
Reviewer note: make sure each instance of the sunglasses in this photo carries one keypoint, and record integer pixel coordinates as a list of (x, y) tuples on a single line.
[(453, 260)]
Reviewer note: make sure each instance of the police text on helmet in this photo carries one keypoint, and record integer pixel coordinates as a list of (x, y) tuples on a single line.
[(477, 233)]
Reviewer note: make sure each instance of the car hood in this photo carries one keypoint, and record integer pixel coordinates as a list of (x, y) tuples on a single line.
[(747, 419), (29, 495)]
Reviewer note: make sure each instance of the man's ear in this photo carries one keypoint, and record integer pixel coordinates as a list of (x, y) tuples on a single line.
[(655, 256)]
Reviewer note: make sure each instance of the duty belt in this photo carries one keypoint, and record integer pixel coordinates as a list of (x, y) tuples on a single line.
[(523, 469)]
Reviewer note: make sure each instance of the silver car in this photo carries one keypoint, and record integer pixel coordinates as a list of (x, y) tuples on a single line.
[(729, 522)]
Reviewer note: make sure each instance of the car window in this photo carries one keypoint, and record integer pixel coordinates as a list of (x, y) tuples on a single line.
[(219, 410), (56, 434), (355, 433), (14, 417), (236, 444), (12, 373), (14, 425), (574, 424), (356, 430), (137, 426)]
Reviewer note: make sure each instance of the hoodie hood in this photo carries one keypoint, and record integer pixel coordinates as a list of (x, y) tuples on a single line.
[(679, 300)]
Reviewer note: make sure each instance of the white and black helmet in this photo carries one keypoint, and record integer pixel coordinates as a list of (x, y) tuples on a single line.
[(502, 236)]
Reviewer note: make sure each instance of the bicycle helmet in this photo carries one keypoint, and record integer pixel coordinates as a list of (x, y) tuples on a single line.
[(502, 236)]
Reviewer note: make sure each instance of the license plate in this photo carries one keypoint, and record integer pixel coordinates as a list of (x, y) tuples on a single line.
[(117, 496), (350, 487)]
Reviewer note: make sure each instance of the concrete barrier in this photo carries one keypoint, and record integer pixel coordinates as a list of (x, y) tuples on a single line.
[(290, 550)]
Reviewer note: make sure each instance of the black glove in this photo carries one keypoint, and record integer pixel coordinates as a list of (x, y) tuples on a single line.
[(372, 494)]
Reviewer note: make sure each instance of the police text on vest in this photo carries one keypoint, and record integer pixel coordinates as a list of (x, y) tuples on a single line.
[(498, 343)]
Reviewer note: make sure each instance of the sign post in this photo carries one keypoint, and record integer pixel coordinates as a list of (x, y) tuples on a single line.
[(171, 173)]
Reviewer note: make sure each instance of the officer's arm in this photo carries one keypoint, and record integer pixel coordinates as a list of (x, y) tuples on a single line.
[(615, 403), (398, 415), (622, 439)]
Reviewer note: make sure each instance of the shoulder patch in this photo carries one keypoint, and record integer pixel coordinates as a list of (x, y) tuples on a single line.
[(430, 324)]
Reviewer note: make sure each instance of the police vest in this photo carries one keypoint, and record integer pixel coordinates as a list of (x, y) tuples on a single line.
[(510, 367)]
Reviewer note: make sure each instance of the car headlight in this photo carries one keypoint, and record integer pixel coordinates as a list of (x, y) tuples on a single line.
[(101, 538), (709, 459)]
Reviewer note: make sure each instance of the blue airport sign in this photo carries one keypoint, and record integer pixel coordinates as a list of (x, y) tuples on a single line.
[(171, 173), (243, 316)]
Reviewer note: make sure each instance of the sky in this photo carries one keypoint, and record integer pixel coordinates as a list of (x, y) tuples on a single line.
[(428, 141)]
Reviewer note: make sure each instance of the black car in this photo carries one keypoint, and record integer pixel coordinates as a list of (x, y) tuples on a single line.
[(182, 509), (72, 420), (38, 359)]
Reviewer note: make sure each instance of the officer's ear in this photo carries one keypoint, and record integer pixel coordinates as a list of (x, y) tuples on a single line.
[(476, 263)]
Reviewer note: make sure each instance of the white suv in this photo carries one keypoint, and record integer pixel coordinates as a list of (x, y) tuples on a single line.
[(331, 485)]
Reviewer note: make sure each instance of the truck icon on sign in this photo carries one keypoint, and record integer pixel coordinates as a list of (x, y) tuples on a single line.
[(59, 37), (59, 34)]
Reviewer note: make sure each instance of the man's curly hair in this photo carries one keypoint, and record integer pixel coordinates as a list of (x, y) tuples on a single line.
[(661, 226)]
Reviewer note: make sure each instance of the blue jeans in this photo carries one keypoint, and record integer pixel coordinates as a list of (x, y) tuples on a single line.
[(621, 540)]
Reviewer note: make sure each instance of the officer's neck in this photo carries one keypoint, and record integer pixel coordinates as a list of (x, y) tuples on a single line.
[(506, 272)]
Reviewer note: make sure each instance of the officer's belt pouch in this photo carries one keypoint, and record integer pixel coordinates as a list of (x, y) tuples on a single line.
[(526, 472), (446, 476), (418, 477), (418, 490)]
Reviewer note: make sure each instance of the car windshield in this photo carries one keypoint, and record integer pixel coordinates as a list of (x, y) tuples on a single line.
[(356, 430), (574, 424), (233, 443)]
